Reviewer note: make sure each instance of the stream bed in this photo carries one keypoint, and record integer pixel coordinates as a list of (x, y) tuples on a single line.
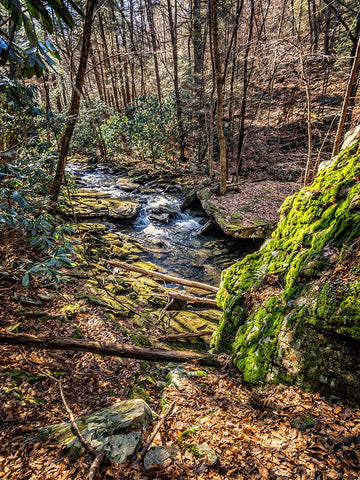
[(169, 235)]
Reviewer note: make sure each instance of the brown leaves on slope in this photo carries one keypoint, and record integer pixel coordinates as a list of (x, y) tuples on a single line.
[(278, 433)]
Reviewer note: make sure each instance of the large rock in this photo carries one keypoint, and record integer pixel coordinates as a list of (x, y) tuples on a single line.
[(250, 212), (117, 430), (92, 204), (292, 310)]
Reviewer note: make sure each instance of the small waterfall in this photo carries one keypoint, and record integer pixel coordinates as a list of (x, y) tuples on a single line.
[(169, 235)]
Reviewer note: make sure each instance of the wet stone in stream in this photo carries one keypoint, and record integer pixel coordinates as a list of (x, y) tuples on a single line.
[(170, 237)]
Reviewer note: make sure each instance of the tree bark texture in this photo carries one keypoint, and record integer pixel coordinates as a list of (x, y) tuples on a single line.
[(150, 17)]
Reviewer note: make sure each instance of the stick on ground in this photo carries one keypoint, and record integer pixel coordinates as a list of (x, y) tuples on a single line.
[(163, 276)]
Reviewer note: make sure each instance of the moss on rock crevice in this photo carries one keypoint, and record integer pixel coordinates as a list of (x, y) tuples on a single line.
[(308, 331)]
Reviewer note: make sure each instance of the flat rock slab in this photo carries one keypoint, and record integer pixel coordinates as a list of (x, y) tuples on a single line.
[(117, 430), (249, 212), (127, 184), (93, 204)]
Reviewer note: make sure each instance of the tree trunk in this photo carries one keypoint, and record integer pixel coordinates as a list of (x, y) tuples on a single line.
[(97, 77), (74, 106), (150, 17), (219, 95), (108, 64), (173, 33), (198, 49), (126, 61), (306, 81), (116, 350), (349, 87), (245, 89)]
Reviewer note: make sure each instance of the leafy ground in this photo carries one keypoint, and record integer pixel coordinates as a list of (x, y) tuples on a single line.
[(280, 432)]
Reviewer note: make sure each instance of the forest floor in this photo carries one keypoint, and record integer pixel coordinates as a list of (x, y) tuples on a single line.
[(274, 433), (279, 432)]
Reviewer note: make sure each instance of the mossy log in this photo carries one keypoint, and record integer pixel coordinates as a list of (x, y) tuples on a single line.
[(163, 276), (116, 350)]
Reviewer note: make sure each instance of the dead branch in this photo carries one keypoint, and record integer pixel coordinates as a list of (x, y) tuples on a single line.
[(116, 350), (98, 456), (191, 298), (159, 424), (163, 311), (163, 276), (176, 336), (95, 466)]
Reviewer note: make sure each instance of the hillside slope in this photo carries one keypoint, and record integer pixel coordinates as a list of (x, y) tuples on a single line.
[(292, 309)]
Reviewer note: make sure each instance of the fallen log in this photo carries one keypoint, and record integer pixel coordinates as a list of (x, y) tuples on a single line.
[(163, 276), (116, 350)]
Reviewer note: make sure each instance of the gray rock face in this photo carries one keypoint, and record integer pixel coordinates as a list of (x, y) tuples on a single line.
[(156, 456), (176, 377), (117, 430), (163, 214)]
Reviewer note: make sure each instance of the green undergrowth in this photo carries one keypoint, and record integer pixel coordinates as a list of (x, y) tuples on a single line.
[(302, 286)]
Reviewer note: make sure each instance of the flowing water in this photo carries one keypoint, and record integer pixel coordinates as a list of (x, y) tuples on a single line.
[(171, 237)]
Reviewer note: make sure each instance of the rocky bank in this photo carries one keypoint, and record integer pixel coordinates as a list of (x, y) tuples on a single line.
[(292, 309)]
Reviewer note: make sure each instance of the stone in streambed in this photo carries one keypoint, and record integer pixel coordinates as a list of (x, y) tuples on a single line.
[(117, 430), (127, 184), (112, 239), (187, 322), (90, 227), (92, 204), (108, 302)]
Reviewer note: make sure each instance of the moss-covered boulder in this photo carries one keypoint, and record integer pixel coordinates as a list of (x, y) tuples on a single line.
[(249, 212), (292, 310), (116, 430)]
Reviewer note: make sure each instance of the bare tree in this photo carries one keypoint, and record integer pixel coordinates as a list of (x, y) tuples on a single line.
[(219, 94), (74, 106)]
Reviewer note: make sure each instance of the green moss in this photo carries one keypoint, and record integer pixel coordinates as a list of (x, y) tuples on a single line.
[(187, 432), (312, 288), (139, 392), (303, 422), (71, 310), (194, 450), (140, 340)]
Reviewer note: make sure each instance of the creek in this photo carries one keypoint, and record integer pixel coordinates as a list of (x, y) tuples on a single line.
[(169, 235)]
